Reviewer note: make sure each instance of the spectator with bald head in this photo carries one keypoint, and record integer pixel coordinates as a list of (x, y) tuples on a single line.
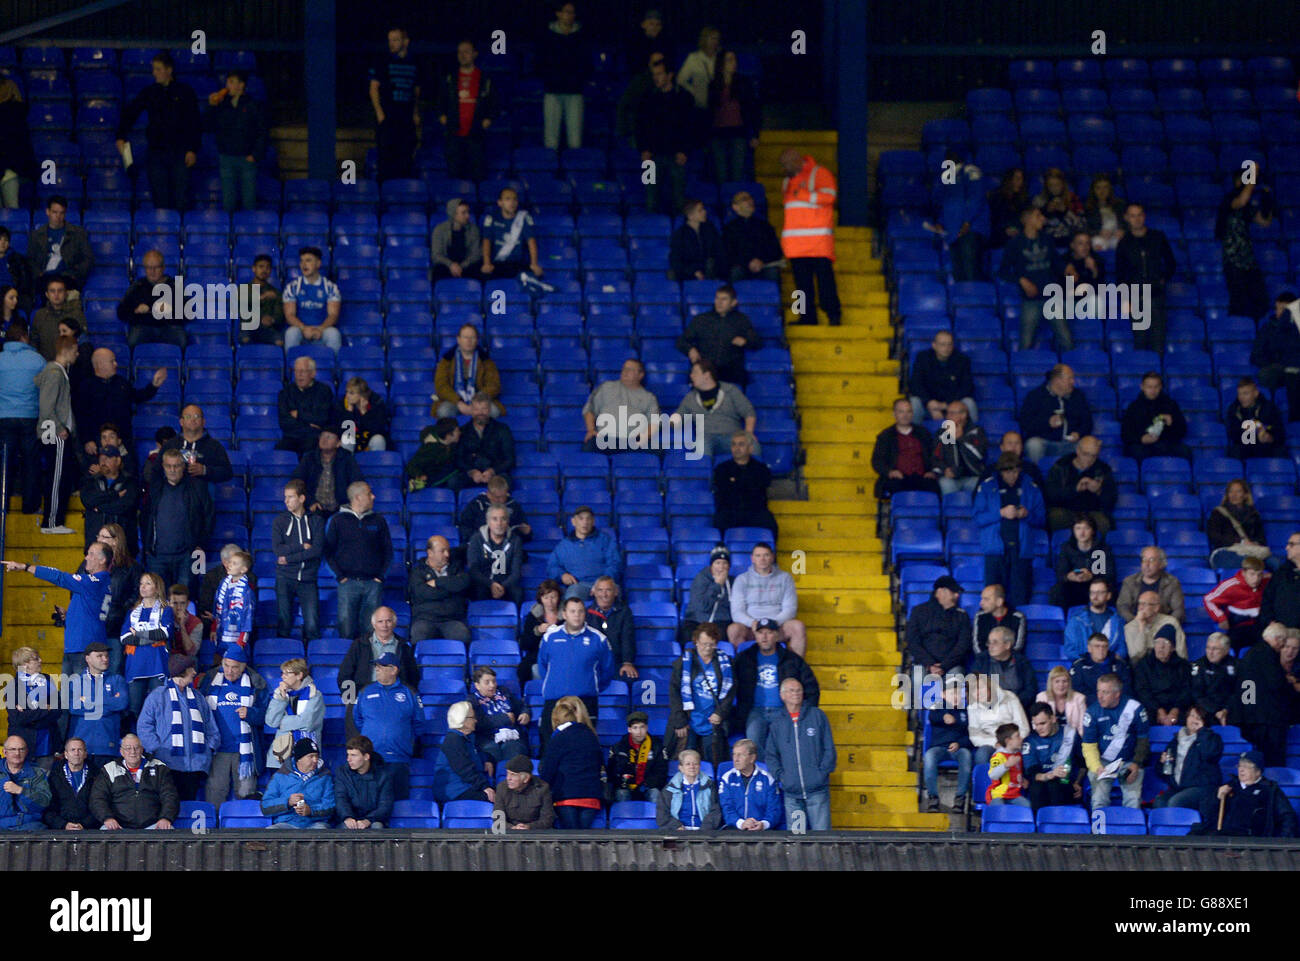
[(108, 397), (1153, 575), (204, 456), (24, 789), (903, 456), (1148, 624), (148, 315), (305, 406), (941, 375), (439, 590), (359, 549), (1055, 415), (1081, 483)]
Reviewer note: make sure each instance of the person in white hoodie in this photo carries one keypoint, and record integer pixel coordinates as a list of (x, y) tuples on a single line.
[(991, 706), (698, 67), (766, 591)]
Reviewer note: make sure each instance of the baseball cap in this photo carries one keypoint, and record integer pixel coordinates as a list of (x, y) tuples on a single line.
[(388, 660), (719, 551), (767, 624), (109, 451)]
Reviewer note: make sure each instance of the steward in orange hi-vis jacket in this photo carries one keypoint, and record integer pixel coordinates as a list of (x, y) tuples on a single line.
[(808, 234)]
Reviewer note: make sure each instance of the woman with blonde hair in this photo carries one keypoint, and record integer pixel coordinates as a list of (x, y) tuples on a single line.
[(144, 638), (1060, 695), (368, 414), (17, 159), (700, 65), (572, 765), (296, 711)]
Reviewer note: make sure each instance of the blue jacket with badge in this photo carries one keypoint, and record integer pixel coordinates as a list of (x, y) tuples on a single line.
[(579, 664), (317, 790), (801, 754), (89, 592), (757, 797), (390, 716), (95, 714), (988, 505)]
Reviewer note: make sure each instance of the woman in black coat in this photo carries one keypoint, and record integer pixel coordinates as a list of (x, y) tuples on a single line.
[(1237, 509), (544, 615), (1194, 752), (573, 765), (735, 117), (16, 152)]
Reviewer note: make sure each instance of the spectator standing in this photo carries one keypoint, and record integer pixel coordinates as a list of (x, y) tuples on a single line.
[(205, 458), (545, 614), (390, 714), (1005, 203), (176, 723), (466, 106), (1153, 424), (82, 624), (232, 609), (689, 801), (938, 633), (311, 304), (1282, 596), (109, 398), (1007, 507), (298, 540), (627, 395), (34, 713), (584, 555), (241, 141), (59, 312), (800, 756), (463, 372), (940, 375), (640, 84), (948, 740), (700, 67), (740, 489), (571, 764), (1247, 290), (964, 220), (1082, 559), (174, 134), (134, 794), (1082, 483), (495, 558), (176, 521), (637, 768), (363, 787), (808, 235), (456, 246), (95, 709), (702, 693), (735, 116), (148, 315), (71, 782), (1143, 256), (145, 635), (57, 430), (58, 249), (17, 159), (20, 405), (1099, 661), (563, 64), (1235, 529), (1152, 575), (1096, 617), (305, 406), (525, 799), (1264, 695), (458, 773), (750, 243), (301, 793), (759, 670), (1115, 744), (766, 591), (903, 456), (1030, 260), (575, 660), (722, 335), (1163, 683), (1275, 351), (238, 699), (1054, 416), (695, 247), (650, 37), (359, 549), (1234, 604), (327, 470), (439, 590), (396, 83)]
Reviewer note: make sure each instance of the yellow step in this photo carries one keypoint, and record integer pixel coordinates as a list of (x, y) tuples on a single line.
[(845, 620), (863, 821), (812, 580), (853, 450), (887, 760), (845, 601), (805, 529), (852, 644), (860, 564), (814, 389), (848, 781)]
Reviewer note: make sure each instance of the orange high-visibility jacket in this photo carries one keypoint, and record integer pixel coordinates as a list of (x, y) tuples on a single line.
[(809, 212)]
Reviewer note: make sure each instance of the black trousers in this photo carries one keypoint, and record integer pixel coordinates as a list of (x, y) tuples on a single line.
[(544, 722), (1274, 376), (806, 269), (169, 178), (189, 784), (1247, 292), (1153, 337), (395, 144), (1270, 739), (464, 157), (1049, 794), (18, 434)]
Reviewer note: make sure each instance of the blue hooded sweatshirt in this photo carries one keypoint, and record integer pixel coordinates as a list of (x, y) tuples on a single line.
[(588, 558), (316, 788), (578, 664), (390, 717)]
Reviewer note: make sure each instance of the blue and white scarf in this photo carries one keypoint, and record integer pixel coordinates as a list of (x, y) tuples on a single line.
[(465, 379), (75, 778), (197, 737), (298, 704), (722, 664), (245, 699), (35, 691)]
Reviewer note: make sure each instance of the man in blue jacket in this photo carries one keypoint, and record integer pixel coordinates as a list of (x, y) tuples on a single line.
[(363, 788), (95, 707), (20, 362), (750, 798), (575, 659), (584, 555), (301, 793), (24, 789), (1008, 506), (389, 713), (176, 727), (1099, 617), (82, 624), (801, 756)]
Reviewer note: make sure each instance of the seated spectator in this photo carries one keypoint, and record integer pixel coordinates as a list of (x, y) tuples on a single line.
[(994, 611), (740, 489), (16, 283), (766, 591), (718, 410), (1005, 203), (1235, 529), (701, 694), (938, 632), (58, 310), (238, 698), (1153, 424), (1254, 424), (474, 514), (358, 667), (949, 741), (1140, 633), (749, 242), (614, 619), (133, 794), (525, 799), (1215, 680), (800, 756), (95, 710), (71, 781), (305, 407), (439, 591), (959, 453), (1104, 214), (1263, 696), (1099, 661), (1054, 416), (759, 670), (1191, 766), (903, 456), (1013, 443), (1081, 483), (296, 711), (665, 135), (941, 375), (541, 617), (1163, 682), (1062, 209), (612, 407), (327, 471), (1115, 744), (584, 555), (437, 461), (58, 249), (487, 447), (1256, 806), (748, 797), (1008, 506), (458, 774), (710, 594), (390, 714), (1234, 604), (494, 559), (689, 800), (964, 219), (311, 305), (27, 792), (1049, 755), (301, 793), (1030, 260), (501, 720), (176, 723), (637, 768), (463, 372), (271, 325), (722, 336), (35, 713), (1066, 703), (988, 707), (456, 246), (1081, 559), (509, 244), (1081, 264), (1096, 617), (571, 764), (1013, 671), (1007, 784), (1282, 596), (363, 787), (695, 248), (1152, 575)]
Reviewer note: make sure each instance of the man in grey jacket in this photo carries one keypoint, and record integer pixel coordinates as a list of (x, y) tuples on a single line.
[(58, 248), (766, 591), (56, 429), (800, 755), (456, 246)]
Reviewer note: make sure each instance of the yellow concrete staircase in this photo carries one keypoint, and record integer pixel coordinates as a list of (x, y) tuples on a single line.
[(845, 382), (28, 603)]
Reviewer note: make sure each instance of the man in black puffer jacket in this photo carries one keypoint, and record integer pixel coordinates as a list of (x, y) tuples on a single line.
[(1282, 596), (614, 620), (939, 631)]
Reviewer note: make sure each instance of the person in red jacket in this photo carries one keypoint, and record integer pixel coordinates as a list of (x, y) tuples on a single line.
[(1234, 604)]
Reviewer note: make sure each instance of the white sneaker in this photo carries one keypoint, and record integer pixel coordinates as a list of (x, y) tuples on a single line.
[(57, 530)]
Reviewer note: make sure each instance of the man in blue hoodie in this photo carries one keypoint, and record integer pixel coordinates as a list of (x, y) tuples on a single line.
[(575, 659), (1008, 506), (95, 708), (1030, 260), (584, 555), (801, 757), (1098, 617), (82, 624), (389, 713)]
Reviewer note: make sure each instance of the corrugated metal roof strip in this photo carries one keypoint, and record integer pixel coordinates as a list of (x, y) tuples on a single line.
[(452, 851)]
